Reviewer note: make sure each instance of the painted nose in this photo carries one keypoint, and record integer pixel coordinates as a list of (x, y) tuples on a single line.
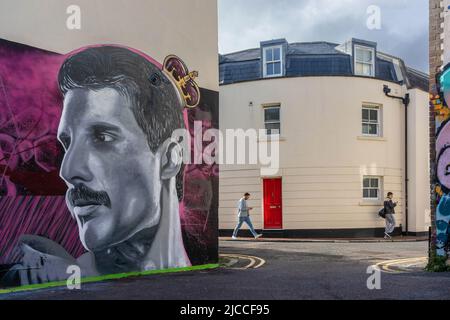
[(75, 166)]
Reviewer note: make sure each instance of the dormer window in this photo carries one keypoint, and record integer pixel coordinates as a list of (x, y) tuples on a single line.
[(364, 61), (273, 61)]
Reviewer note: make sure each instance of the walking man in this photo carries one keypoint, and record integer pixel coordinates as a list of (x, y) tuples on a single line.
[(389, 208), (244, 216)]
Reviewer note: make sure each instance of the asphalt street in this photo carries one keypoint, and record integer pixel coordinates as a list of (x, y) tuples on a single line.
[(271, 270)]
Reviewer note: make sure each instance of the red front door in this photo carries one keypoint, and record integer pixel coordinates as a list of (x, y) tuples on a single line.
[(272, 204)]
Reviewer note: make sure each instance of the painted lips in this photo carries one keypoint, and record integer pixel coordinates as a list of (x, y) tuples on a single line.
[(85, 211), (85, 202)]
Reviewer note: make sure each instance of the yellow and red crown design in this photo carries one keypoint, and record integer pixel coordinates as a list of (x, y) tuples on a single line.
[(184, 80)]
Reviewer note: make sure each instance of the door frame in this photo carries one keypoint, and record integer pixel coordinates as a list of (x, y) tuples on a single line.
[(262, 203)]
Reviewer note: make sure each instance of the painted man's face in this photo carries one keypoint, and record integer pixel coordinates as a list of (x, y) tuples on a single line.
[(112, 175)]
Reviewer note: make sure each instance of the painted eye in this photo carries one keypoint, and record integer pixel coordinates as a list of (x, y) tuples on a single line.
[(447, 170), (103, 137)]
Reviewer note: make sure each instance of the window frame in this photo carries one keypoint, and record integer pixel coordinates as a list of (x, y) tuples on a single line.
[(379, 188), (272, 106), (265, 62), (379, 123), (372, 63)]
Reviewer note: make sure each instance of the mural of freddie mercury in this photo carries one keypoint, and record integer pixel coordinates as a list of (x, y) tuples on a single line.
[(122, 168)]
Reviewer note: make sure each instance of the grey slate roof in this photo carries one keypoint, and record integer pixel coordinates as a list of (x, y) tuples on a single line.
[(307, 59), (246, 55), (313, 48), (418, 79)]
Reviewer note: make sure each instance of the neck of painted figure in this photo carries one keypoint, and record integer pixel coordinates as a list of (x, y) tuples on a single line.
[(167, 249), (159, 247)]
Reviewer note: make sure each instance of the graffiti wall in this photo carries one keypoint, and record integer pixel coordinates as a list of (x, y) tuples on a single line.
[(442, 165), (92, 174)]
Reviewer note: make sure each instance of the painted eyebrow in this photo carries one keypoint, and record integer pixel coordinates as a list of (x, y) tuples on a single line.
[(105, 127)]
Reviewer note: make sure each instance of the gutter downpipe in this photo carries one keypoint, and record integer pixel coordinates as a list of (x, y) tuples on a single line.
[(405, 100)]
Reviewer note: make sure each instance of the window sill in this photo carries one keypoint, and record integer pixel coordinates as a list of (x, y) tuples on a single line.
[(371, 138), (370, 203), (273, 76), (271, 138)]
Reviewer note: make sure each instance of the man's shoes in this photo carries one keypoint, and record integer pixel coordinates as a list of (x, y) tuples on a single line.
[(387, 236), (234, 238), (258, 236)]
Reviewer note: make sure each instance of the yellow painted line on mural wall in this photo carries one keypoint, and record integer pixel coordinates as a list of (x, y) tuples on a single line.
[(109, 277)]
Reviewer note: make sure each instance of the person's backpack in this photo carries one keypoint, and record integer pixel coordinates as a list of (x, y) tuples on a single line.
[(382, 213)]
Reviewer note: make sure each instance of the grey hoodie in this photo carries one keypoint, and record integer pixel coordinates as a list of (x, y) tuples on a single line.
[(242, 208)]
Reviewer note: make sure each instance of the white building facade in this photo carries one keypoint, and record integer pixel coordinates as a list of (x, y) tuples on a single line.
[(341, 139)]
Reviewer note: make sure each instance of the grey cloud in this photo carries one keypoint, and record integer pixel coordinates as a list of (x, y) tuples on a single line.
[(404, 33)]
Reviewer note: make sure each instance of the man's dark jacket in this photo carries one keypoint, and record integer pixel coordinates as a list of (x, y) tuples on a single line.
[(389, 206)]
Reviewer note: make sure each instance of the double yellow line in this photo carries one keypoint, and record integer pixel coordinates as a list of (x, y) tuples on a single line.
[(385, 266), (255, 262)]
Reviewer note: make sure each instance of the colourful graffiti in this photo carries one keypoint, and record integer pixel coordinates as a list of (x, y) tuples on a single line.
[(111, 196), (442, 167)]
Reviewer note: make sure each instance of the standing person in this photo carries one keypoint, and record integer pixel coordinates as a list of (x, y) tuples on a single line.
[(389, 209), (244, 216)]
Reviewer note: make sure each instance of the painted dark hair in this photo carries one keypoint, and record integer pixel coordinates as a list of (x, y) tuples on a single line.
[(154, 100)]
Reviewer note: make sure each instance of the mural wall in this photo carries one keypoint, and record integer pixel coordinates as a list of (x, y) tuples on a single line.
[(442, 166), (90, 172)]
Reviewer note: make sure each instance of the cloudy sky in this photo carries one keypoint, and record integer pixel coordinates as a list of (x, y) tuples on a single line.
[(404, 24)]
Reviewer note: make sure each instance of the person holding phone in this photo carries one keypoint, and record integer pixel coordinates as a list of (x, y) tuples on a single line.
[(244, 216), (389, 209)]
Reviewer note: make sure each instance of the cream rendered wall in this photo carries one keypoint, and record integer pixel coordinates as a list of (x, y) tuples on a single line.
[(445, 36), (323, 156), (419, 165), (156, 27)]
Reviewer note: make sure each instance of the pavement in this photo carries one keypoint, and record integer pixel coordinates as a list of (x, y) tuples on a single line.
[(276, 270), (328, 240)]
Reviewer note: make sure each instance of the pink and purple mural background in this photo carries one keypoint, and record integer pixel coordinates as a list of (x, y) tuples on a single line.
[(32, 193)]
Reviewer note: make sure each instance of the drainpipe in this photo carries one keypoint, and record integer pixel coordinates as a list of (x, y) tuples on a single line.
[(405, 100)]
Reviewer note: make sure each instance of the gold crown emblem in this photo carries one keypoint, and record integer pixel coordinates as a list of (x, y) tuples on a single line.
[(184, 80)]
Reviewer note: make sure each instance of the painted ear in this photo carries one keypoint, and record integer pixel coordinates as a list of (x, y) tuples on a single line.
[(171, 159)]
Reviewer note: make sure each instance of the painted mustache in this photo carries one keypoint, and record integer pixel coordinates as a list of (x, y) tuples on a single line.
[(81, 195)]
